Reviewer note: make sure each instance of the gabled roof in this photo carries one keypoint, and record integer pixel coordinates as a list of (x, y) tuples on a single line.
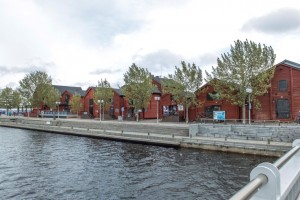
[(289, 63), (159, 79), (71, 89), (156, 91), (118, 91)]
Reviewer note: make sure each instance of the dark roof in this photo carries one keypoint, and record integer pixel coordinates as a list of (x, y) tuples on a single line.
[(290, 63), (118, 91), (156, 91), (159, 79), (71, 89)]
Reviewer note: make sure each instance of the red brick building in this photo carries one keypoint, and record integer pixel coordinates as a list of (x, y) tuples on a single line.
[(281, 102), (67, 92), (209, 102), (168, 108)]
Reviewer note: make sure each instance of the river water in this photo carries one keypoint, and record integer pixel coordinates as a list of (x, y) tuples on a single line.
[(38, 165)]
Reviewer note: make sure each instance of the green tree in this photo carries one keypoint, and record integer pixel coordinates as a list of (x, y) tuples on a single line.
[(52, 97), (7, 98), (10, 98), (34, 88), (103, 92), (138, 87), (247, 65), (16, 99), (183, 85), (75, 103)]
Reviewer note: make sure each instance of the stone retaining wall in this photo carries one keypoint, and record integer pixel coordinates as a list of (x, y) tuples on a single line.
[(253, 132)]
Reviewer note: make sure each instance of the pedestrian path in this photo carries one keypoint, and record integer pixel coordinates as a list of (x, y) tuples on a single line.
[(158, 134)]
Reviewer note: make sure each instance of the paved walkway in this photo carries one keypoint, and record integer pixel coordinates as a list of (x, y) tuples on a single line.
[(133, 134)]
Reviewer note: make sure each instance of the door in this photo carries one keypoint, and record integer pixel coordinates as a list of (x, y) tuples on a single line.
[(209, 110), (283, 109), (91, 106)]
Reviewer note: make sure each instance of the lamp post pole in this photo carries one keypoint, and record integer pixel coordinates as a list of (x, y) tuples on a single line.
[(100, 104), (249, 91), (102, 101), (29, 104), (157, 100), (6, 106), (57, 103)]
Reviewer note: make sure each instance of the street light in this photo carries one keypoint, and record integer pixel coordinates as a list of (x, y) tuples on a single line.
[(6, 106), (29, 104), (249, 91), (157, 99), (100, 102), (57, 103)]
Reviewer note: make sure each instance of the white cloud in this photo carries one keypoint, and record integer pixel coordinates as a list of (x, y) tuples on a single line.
[(277, 22), (80, 42)]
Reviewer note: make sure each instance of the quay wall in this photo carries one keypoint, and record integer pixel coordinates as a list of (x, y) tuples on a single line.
[(170, 135)]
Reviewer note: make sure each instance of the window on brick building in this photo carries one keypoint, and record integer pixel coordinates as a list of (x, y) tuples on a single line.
[(282, 85), (213, 96)]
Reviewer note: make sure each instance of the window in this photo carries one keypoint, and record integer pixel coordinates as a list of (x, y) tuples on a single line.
[(67, 99), (282, 85), (213, 96)]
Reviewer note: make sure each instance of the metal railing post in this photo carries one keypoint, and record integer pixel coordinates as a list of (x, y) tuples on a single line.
[(266, 179)]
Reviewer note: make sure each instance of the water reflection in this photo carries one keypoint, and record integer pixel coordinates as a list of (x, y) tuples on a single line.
[(37, 165)]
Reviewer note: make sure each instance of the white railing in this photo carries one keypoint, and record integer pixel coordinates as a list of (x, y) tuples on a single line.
[(277, 181)]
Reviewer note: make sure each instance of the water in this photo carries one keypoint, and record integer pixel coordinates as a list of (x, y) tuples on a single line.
[(37, 165)]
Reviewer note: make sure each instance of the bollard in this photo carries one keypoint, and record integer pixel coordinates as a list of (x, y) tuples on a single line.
[(172, 135), (121, 131)]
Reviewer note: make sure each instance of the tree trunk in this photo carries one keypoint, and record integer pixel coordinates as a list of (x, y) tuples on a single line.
[(186, 114), (136, 112), (244, 112)]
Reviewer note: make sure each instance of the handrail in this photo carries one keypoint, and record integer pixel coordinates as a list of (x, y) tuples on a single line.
[(250, 189), (281, 161)]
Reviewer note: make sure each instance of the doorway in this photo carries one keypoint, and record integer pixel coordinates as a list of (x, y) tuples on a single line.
[(283, 109), (91, 107), (209, 110)]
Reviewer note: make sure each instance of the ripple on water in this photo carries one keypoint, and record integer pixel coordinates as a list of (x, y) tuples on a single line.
[(37, 165)]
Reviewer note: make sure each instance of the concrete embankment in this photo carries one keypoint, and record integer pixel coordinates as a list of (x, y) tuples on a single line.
[(162, 134)]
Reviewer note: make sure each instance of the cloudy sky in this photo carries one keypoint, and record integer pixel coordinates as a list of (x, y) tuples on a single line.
[(78, 42)]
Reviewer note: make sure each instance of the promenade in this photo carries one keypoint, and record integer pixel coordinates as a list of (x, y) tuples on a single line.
[(147, 132)]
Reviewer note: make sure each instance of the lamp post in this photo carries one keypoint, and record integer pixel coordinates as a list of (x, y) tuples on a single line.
[(57, 103), (100, 103), (157, 99), (249, 91), (6, 106), (29, 104)]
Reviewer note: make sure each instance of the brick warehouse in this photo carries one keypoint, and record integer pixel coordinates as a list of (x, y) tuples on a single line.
[(281, 102)]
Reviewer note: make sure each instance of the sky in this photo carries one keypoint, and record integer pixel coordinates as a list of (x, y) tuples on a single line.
[(79, 42)]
